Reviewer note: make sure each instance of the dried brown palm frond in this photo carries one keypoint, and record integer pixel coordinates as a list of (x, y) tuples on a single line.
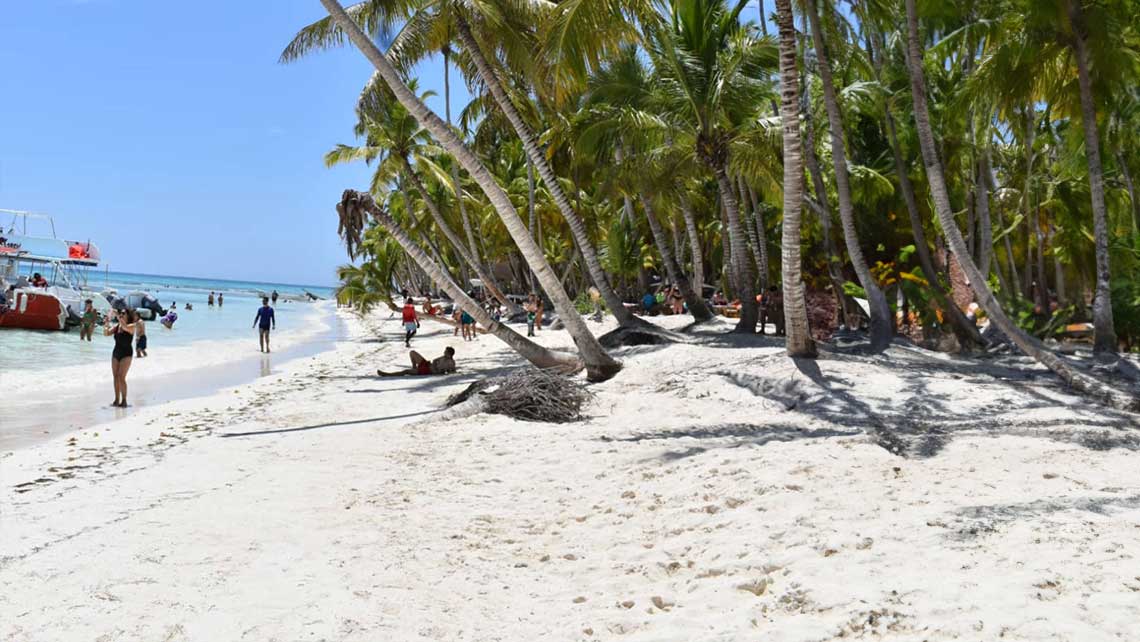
[(353, 216)]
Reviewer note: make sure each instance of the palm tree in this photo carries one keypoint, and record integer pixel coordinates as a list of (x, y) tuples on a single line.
[(1104, 335), (941, 198), (537, 157), (599, 365), (618, 121), (800, 342), (712, 72), (430, 25), (965, 330), (882, 325), (395, 137), (357, 206)]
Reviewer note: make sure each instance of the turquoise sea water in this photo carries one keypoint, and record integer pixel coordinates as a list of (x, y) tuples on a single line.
[(24, 350)]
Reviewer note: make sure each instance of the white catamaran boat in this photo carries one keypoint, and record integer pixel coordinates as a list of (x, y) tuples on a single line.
[(55, 299)]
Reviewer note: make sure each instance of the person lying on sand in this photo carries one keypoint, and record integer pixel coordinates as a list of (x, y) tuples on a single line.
[(421, 366)]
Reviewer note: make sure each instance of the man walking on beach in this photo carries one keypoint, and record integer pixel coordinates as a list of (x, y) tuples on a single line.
[(264, 320), (411, 322)]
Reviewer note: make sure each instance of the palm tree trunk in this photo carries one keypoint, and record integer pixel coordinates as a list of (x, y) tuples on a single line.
[(599, 365), (530, 212), (745, 282), (1104, 339), (966, 331), (749, 225), (727, 273), (1027, 204), (882, 321), (455, 167), (834, 269), (488, 280), (696, 304), (985, 224), (761, 238), (941, 197), (527, 349), (534, 153), (1127, 175), (1059, 277), (1042, 280), (694, 243), (678, 243), (799, 341)]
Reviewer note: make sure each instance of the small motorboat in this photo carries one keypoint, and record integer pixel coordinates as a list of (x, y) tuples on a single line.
[(43, 279)]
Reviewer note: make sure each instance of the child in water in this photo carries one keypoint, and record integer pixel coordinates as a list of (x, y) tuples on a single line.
[(140, 338)]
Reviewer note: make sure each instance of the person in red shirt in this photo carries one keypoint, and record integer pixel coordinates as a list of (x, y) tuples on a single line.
[(411, 322), (38, 281)]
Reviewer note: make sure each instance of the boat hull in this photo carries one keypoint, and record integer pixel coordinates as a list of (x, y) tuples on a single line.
[(32, 309)]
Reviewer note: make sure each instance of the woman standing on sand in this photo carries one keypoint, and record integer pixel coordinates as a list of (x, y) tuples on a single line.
[(124, 331), (538, 312)]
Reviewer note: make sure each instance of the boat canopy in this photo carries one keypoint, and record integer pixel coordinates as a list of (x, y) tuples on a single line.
[(16, 243), (32, 248)]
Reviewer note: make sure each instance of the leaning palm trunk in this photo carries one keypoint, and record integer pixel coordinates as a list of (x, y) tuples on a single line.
[(534, 153), (965, 330), (1105, 333), (834, 269), (488, 280), (800, 343), (599, 365), (696, 304), (527, 349), (454, 167), (882, 325), (739, 265), (694, 244), (941, 197)]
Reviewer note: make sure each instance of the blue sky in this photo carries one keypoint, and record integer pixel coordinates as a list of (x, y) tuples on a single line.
[(169, 135)]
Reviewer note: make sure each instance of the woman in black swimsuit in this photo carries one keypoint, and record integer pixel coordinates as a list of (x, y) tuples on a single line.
[(124, 332)]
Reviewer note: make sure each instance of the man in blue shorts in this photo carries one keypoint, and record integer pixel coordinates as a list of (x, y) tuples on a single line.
[(264, 320)]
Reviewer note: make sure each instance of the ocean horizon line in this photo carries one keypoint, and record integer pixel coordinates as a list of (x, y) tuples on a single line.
[(220, 280)]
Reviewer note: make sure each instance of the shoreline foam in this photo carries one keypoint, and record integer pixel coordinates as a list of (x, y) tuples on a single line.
[(41, 403)]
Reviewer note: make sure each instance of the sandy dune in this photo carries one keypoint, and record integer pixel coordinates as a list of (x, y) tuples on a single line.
[(717, 492)]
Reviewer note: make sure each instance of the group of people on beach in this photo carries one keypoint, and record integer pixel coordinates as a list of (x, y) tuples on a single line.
[(128, 329)]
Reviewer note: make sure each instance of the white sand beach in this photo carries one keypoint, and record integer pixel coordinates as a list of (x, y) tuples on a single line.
[(717, 491)]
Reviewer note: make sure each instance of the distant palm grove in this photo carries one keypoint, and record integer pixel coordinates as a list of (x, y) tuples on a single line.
[(886, 164)]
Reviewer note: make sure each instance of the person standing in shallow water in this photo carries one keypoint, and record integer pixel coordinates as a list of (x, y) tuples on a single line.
[(140, 337), (87, 325), (274, 297), (220, 299), (123, 329), (264, 320), (210, 301)]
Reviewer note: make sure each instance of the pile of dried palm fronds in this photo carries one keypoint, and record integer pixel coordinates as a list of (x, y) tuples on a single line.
[(529, 394)]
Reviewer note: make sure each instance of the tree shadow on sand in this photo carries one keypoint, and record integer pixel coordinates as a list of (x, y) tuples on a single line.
[(970, 522), (920, 422), (733, 435)]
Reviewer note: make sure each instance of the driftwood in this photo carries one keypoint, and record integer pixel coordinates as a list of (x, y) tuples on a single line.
[(529, 394)]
